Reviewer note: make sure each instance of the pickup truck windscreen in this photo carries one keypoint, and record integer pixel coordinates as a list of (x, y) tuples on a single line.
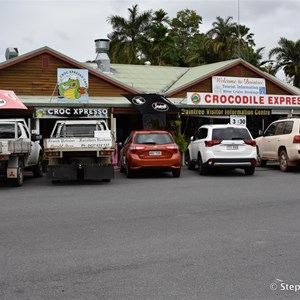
[(82, 130)]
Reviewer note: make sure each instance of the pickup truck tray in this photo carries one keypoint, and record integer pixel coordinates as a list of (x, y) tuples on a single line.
[(11, 147)]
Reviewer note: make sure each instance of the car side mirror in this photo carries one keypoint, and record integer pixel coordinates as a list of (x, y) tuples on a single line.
[(192, 138)]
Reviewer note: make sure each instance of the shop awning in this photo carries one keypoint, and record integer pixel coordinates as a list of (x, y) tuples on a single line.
[(151, 103), (9, 100)]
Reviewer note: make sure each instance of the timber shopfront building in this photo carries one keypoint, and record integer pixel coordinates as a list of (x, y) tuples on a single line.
[(53, 85)]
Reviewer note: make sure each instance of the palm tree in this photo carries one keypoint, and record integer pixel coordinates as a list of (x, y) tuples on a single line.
[(223, 35), (243, 40), (161, 43), (246, 37), (160, 16), (160, 40), (288, 58), (254, 57), (201, 51), (129, 36)]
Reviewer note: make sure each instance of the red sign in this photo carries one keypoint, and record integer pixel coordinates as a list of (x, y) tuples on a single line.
[(211, 99)]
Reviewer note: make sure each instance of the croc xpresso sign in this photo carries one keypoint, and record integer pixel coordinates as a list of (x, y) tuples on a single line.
[(71, 112)]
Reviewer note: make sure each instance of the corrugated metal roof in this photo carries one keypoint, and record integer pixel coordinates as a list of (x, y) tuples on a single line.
[(145, 78), (199, 73), (169, 80)]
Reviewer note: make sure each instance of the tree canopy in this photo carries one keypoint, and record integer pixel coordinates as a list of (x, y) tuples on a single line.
[(153, 36)]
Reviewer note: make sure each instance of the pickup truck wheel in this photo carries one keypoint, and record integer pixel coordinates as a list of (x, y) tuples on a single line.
[(38, 169), (283, 161), (20, 175)]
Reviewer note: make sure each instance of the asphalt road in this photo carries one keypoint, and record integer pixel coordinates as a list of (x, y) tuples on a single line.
[(222, 236)]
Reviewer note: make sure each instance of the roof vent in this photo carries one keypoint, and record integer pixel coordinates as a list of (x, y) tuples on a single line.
[(147, 63), (102, 59), (11, 53)]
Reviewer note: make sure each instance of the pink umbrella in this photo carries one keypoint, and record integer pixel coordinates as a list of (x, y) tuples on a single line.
[(9, 100)]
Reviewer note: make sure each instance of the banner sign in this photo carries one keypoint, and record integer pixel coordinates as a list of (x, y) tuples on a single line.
[(71, 112), (94, 142), (72, 85), (238, 85), (211, 99), (224, 112)]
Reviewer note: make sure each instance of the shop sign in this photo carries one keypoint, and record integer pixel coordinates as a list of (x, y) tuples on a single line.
[(238, 120), (211, 99), (70, 112), (238, 85), (224, 112), (72, 85), (94, 142)]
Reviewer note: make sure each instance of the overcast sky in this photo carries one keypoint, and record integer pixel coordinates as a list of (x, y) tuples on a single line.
[(71, 26)]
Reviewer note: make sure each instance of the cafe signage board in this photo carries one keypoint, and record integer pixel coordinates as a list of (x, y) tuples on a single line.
[(71, 112)]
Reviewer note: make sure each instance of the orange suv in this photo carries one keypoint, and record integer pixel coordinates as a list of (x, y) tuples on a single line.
[(150, 149)]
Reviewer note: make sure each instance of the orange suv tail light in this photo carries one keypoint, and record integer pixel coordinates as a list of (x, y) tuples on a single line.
[(296, 139), (212, 143), (250, 142), (173, 147), (136, 148)]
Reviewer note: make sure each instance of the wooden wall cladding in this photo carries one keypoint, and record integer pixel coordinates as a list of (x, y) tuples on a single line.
[(37, 76), (205, 86)]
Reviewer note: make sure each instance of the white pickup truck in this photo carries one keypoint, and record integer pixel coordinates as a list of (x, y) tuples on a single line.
[(80, 150), (19, 150)]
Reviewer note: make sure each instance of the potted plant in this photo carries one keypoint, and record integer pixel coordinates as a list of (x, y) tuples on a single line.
[(179, 138)]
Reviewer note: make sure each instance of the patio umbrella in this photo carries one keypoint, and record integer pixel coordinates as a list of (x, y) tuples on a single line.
[(9, 100), (151, 103)]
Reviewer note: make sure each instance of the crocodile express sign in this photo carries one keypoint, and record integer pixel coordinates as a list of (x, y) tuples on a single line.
[(211, 99)]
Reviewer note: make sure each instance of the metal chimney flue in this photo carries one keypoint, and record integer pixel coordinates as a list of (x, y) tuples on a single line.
[(11, 53), (102, 58)]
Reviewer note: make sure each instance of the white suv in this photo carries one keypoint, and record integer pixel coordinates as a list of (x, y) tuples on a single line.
[(229, 146), (280, 142)]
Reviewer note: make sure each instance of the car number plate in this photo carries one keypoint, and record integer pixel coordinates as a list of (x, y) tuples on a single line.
[(154, 153), (233, 147)]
